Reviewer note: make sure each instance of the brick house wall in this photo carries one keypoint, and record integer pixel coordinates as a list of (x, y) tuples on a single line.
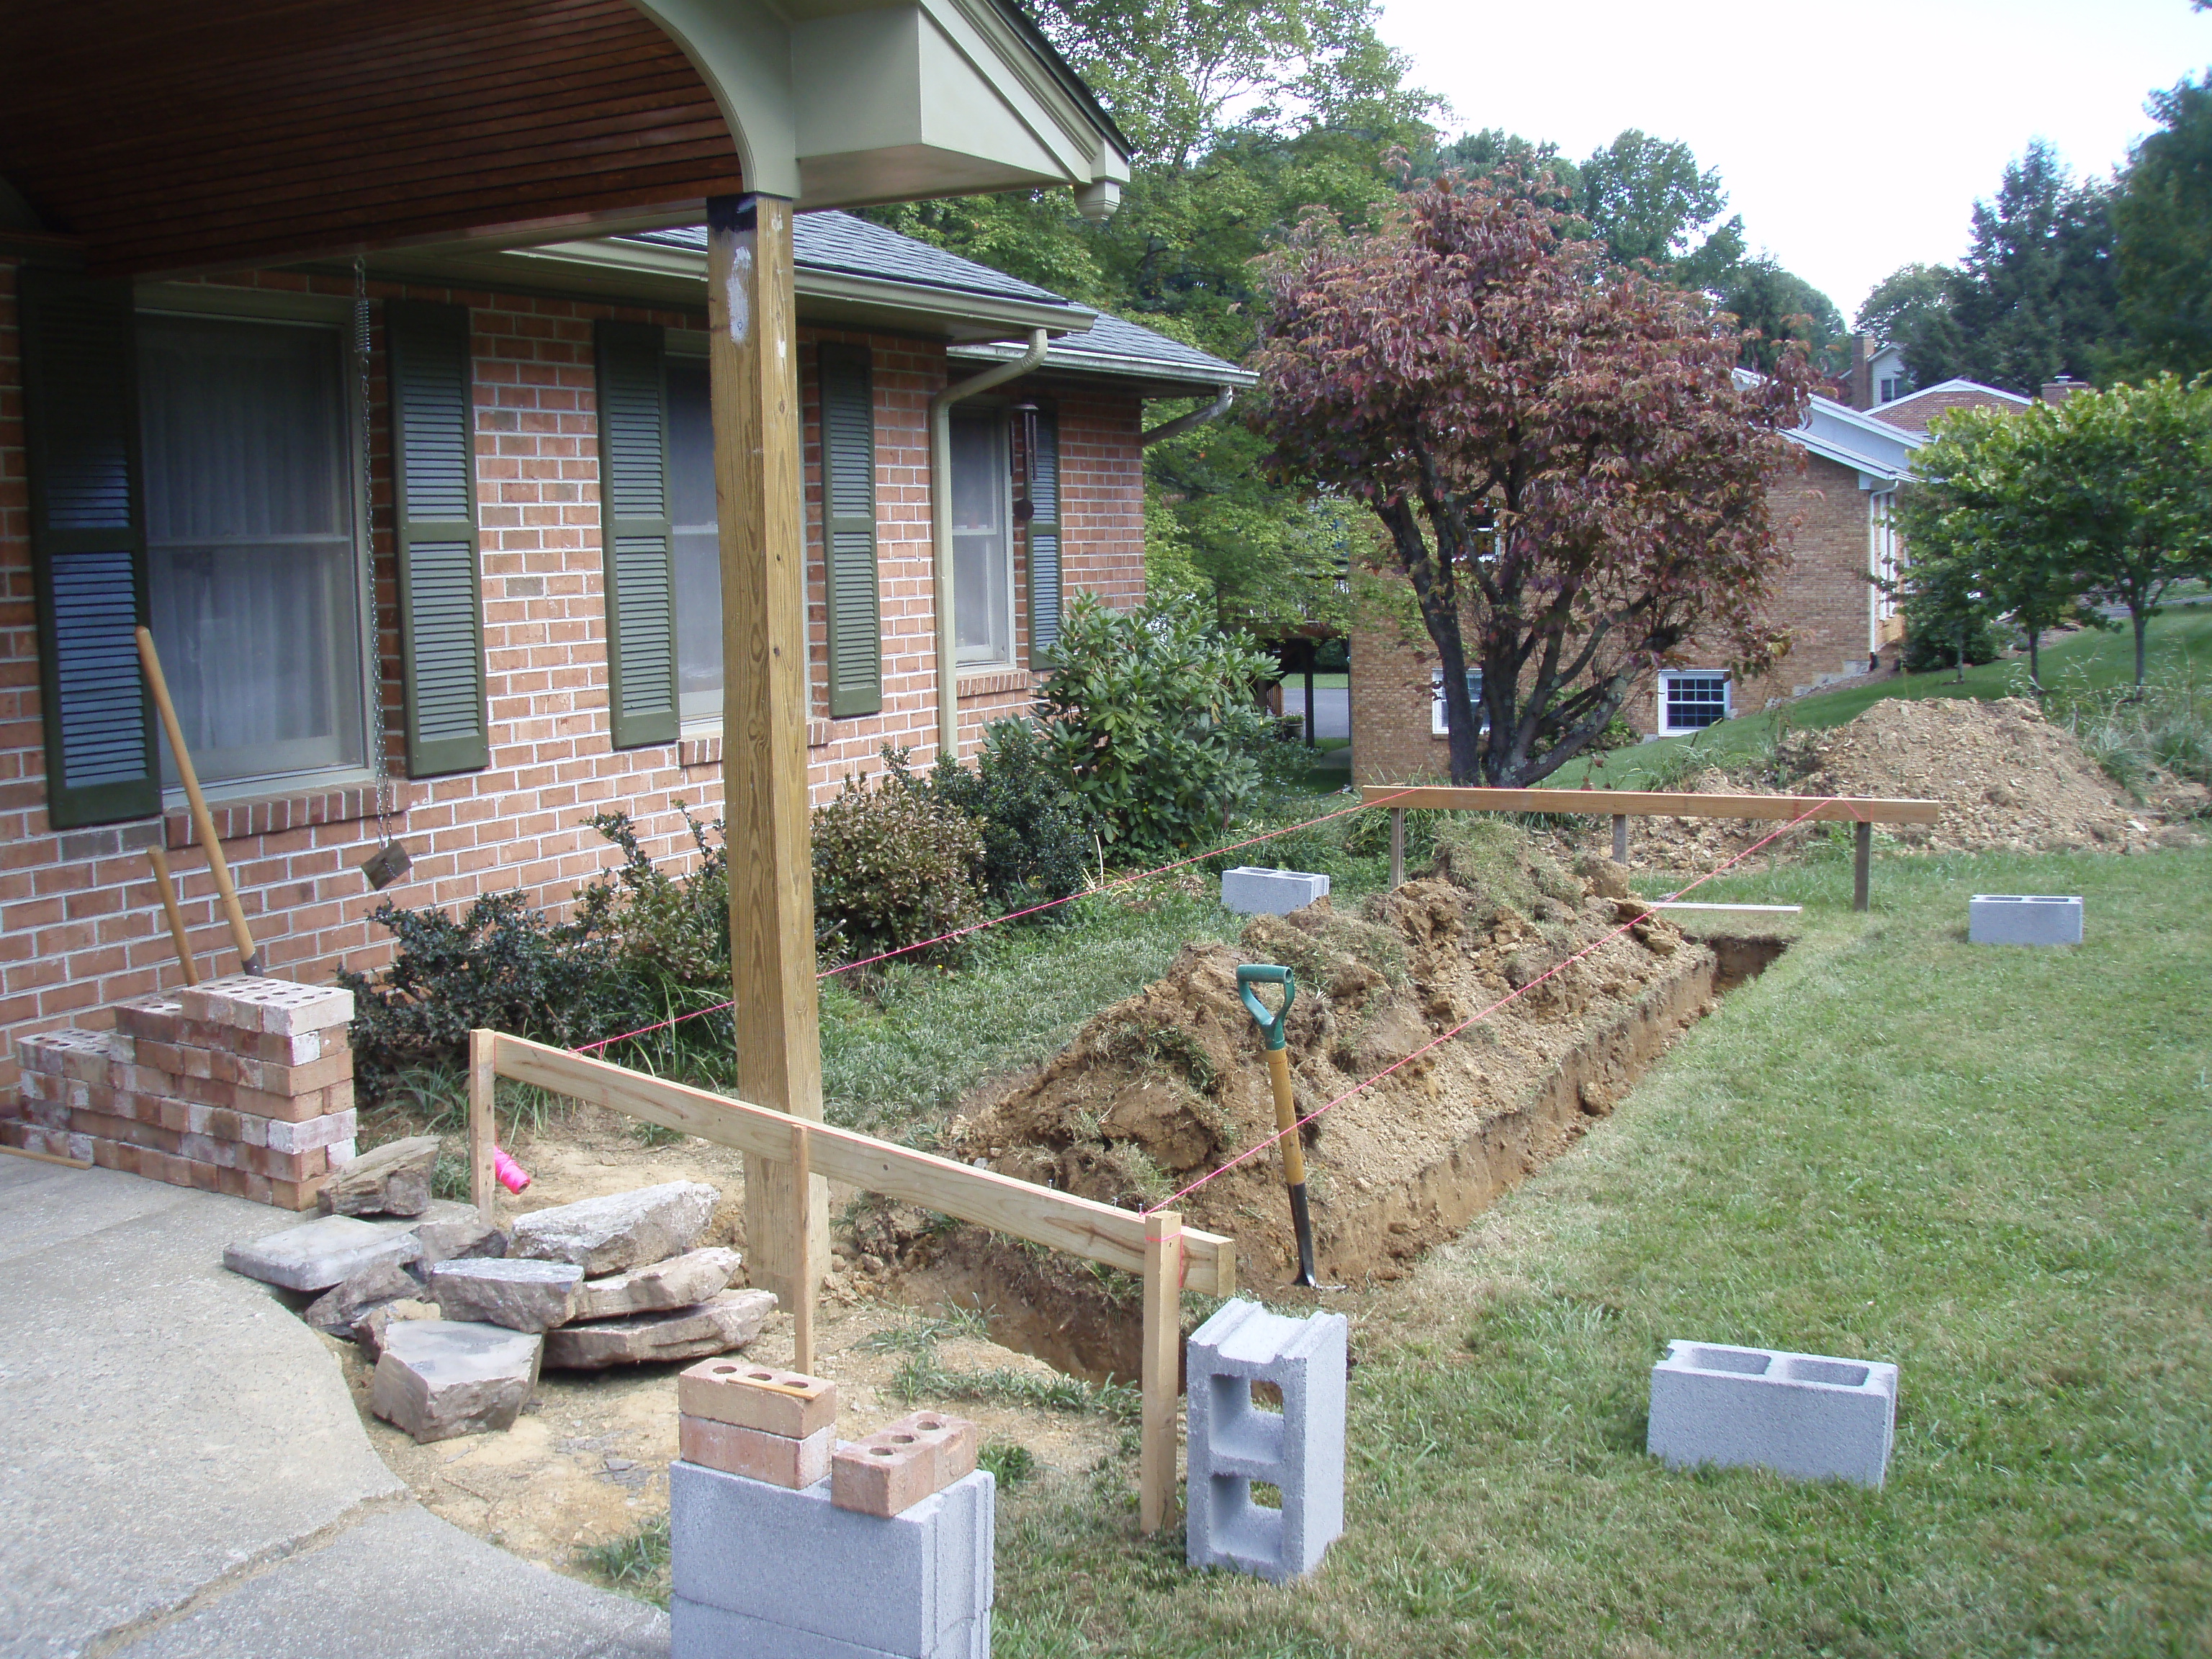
[(81, 926), (1823, 600)]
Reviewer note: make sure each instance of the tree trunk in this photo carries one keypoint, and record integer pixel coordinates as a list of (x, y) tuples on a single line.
[(2035, 659), (1958, 677), (2142, 621)]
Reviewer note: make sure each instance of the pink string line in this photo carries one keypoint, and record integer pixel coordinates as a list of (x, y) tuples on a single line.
[(1254, 1150), (1010, 915)]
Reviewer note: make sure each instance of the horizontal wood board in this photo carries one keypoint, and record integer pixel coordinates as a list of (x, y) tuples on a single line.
[(1635, 804)]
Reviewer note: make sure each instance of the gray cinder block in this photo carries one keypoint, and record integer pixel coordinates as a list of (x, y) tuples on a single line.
[(1807, 1415), (1299, 1450), (1252, 892), (754, 1561), (2023, 919)]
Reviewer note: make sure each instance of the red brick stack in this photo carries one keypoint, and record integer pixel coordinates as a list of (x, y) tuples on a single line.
[(241, 1086)]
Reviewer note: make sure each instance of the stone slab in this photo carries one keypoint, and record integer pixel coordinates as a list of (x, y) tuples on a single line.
[(317, 1255), (1252, 891), (618, 1232), (523, 1295), (336, 1310), (681, 1281), (716, 1326), (1813, 1417), (439, 1377), (368, 1329), (393, 1179), (455, 1241)]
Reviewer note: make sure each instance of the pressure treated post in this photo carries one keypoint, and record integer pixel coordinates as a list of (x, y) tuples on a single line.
[(1861, 863), (753, 377), (1397, 847), (1161, 1374), (1620, 837), (483, 1081)]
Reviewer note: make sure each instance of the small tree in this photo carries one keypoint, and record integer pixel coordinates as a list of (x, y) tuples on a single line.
[(1562, 454)]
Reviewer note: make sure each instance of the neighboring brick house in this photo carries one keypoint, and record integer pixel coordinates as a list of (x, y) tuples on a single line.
[(514, 697), (1838, 503), (1917, 411)]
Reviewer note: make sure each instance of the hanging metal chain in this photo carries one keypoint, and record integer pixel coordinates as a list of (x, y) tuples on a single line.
[(362, 337)]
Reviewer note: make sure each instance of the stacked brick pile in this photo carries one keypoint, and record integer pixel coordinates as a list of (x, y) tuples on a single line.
[(241, 1086)]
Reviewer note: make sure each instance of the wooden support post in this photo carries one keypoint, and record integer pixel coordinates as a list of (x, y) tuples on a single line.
[(1397, 847), (1313, 725), (158, 856), (802, 1307), (753, 377), (1620, 837), (483, 1125), (1161, 1369), (1862, 864)]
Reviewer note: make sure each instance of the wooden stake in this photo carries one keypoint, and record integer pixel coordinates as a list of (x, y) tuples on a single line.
[(1397, 847), (158, 856), (1161, 1372), (249, 958), (1620, 837), (753, 376), (1862, 864), (802, 1310), (484, 1129), (47, 1157)]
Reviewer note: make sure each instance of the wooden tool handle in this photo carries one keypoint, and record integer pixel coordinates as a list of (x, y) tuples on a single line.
[(158, 856), (249, 958), (1286, 1117)]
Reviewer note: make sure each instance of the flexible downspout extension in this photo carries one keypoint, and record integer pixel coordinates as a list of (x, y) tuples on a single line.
[(940, 530), (1182, 423)]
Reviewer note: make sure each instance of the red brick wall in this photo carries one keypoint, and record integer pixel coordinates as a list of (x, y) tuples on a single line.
[(80, 924), (1823, 602)]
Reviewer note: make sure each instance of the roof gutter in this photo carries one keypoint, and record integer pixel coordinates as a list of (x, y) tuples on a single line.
[(940, 530), (1182, 423)]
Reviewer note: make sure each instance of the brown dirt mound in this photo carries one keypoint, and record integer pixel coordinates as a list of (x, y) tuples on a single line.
[(1170, 1084), (2008, 779)]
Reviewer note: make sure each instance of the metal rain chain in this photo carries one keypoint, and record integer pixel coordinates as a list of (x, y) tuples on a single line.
[(390, 861)]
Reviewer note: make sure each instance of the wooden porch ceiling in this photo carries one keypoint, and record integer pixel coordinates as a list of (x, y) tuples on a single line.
[(166, 138)]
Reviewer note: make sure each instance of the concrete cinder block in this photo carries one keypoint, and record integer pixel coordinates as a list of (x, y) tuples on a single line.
[(1252, 891), (2023, 919), (906, 1586), (1810, 1416), (700, 1631), (1233, 1442)]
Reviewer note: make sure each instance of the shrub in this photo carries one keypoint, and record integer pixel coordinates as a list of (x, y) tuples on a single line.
[(892, 865), (1036, 835), (1930, 650), (1151, 719)]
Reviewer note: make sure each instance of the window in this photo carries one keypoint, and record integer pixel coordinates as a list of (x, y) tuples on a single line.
[(1893, 388), (983, 550), (254, 570), (1439, 725), (1690, 701), (698, 547)]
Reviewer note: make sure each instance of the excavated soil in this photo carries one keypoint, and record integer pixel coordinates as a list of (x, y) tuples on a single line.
[(2009, 780), (1170, 1083)]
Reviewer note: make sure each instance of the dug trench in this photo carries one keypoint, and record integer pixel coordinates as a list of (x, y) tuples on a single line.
[(1169, 1084)]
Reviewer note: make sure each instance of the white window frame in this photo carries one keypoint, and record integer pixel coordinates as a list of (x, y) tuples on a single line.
[(985, 658), (206, 300), (1439, 724), (1668, 676)]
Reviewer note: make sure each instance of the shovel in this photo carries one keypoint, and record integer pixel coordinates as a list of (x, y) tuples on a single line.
[(1286, 1112)]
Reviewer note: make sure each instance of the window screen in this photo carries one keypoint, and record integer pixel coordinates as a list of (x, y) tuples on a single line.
[(1694, 701), (982, 560), (698, 544), (253, 565)]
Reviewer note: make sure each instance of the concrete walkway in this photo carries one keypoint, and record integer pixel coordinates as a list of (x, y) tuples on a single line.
[(182, 1471)]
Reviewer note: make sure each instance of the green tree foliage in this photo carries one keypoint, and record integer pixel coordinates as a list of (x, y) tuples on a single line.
[(1557, 449), (2162, 218), (1776, 308), (1910, 309), (1150, 720)]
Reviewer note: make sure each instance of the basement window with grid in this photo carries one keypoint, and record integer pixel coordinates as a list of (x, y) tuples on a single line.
[(1690, 700), (1439, 724), (254, 564)]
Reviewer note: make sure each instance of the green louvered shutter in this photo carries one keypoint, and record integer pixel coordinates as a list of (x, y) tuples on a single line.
[(1044, 542), (87, 547), (848, 532), (635, 531), (433, 484)]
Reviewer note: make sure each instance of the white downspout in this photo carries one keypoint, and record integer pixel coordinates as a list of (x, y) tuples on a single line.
[(940, 530)]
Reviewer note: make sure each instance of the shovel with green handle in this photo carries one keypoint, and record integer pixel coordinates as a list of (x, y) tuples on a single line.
[(1286, 1112)]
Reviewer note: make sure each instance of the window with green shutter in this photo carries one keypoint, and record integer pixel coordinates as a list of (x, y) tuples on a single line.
[(433, 488), (1044, 538), (636, 533), (848, 532), (87, 547)]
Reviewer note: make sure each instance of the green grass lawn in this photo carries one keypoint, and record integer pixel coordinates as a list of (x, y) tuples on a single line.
[(2081, 664), (1991, 1166)]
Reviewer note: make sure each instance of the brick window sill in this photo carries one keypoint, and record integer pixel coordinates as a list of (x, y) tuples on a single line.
[(275, 814), (997, 682)]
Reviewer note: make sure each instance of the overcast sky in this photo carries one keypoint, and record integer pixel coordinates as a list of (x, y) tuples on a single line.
[(1853, 139)]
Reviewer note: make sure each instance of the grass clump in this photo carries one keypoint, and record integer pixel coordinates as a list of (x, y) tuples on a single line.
[(924, 1378), (635, 1564), (1009, 1462)]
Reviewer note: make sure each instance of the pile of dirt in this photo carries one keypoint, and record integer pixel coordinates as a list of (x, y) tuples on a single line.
[(2009, 780), (1170, 1083)]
